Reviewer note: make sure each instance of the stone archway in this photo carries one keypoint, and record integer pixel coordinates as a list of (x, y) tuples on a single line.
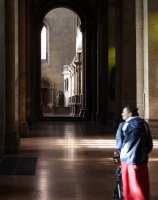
[(88, 27)]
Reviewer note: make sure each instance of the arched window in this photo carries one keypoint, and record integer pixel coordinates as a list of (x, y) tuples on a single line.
[(43, 43)]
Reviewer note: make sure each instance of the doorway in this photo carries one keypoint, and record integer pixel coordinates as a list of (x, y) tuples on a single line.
[(61, 49)]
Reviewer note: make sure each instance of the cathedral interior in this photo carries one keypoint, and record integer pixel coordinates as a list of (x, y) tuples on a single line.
[(67, 69)]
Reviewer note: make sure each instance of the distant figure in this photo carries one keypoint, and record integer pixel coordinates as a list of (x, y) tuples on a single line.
[(59, 98)]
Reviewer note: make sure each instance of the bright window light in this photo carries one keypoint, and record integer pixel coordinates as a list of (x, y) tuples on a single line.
[(43, 43)]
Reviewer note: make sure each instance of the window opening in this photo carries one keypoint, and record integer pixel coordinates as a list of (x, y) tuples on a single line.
[(43, 43)]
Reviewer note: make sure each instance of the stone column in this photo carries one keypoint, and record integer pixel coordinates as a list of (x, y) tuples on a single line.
[(140, 56), (118, 72), (151, 65), (79, 74), (79, 70), (38, 72), (149, 57), (32, 73), (83, 61), (77, 79), (102, 62), (125, 55), (129, 53), (88, 71), (29, 65), (99, 65), (12, 140), (70, 85), (23, 126), (94, 72), (2, 77), (16, 64)]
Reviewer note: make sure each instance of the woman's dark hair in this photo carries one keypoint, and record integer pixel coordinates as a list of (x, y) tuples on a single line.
[(132, 110)]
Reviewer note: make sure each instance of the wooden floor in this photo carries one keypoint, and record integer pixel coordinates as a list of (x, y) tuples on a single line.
[(74, 163)]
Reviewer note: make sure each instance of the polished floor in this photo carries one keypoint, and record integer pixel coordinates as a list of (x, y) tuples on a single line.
[(74, 163)]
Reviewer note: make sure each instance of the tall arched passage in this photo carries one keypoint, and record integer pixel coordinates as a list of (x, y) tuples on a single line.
[(88, 28)]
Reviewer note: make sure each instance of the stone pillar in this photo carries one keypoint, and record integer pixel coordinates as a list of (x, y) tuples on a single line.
[(77, 80), (28, 64), (102, 62), (129, 53), (2, 77), (35, 70), (81, 74), (82, 110), (148, 57), (70, 85), (99, 65), (125, 55), (94, 72), (151, 65), (111, 43), (12, 140), (79, 71), (140, 56), (16, 64), (23, 126), (119, 64), (38, 72), (88, 71), (32, 73), (31, 118)]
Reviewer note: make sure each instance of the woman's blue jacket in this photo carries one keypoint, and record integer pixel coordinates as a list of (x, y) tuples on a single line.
[(135, 143)]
